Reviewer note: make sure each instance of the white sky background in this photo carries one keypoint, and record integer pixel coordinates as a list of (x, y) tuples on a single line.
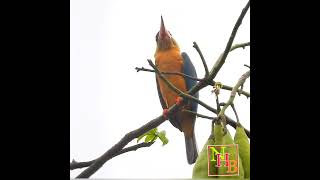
[(109, 98)]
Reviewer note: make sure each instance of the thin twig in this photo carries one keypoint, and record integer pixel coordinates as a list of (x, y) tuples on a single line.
[(184, 95), (242, 45), (175, 89), (225, 87), (234, 91), (198, 115), (228, 119), (231, 122), (217, 102), (235, 112), (240, 90), (195, 45), (169, 73), (208, 82), (217, 66), (77, 165)]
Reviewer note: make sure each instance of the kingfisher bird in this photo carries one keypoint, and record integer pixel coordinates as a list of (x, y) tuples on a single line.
[(169, 59)]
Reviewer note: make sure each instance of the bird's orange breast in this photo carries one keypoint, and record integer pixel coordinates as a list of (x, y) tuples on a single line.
[(170, 61)]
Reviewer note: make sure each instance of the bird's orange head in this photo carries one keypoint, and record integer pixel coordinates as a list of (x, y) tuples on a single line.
[(164, 39)]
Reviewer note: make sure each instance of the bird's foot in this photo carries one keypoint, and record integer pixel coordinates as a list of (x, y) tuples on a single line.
[(165, 113), (179, 100)]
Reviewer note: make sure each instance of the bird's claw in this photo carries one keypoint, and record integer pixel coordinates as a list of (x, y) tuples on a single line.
[(179, 100), (165, 113)]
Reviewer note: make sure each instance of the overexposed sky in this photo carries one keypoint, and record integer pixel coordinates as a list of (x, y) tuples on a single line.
[(108, 98)]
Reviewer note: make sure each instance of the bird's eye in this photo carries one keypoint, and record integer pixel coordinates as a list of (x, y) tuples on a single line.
[(170, 33), (157, 36)]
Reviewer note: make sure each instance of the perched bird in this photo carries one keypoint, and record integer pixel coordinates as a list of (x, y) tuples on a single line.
[(169, 59)]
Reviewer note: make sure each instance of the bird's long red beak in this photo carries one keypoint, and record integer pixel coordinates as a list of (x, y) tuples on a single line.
[(163, 32)]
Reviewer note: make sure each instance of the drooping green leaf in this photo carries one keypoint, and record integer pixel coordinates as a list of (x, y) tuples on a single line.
[(155, 138), (140, 137), (151, 132), (149, 138), (163, 138)]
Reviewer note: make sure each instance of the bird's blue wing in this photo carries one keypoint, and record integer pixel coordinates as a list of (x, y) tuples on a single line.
[(189, 69)]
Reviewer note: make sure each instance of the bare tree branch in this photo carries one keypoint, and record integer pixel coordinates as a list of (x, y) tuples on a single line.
[(195, 45), (214, 71), (231, 122), (169, 73), (206, 81), (234, 92), (217, 102), (235, 112), (225, 87), (175, 89), (122, 143), (77, 165), (242, 45), (198, 114), (184, 95)]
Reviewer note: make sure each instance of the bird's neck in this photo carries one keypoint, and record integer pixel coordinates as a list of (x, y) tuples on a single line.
[(164, 53), (168, 59)]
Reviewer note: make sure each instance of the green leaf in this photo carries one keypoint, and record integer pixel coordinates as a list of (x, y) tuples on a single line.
[(151, 132), (140, 137), (156, 137), (149, 138), (163, 138)]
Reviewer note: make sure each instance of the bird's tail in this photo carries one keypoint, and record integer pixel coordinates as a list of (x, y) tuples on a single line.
[(191, 148)]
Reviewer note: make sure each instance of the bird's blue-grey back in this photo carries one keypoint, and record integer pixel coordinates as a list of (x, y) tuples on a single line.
[(188, 68)]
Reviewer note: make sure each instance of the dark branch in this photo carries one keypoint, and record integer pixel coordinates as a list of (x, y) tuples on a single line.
[(184, 95), (217, 66), (225, 87), (195, 45), (231, 122), (235, 112), (217, 102), (77, 165), (122, 143), (178, 91), (240, 82), (206, 81), (242, 45), (198, 115), (169, 73)]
